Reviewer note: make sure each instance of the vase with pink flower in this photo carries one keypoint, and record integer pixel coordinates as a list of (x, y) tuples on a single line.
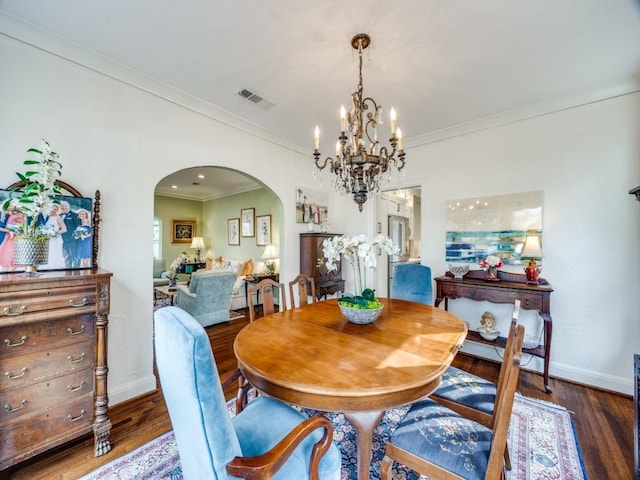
[(491, 264)]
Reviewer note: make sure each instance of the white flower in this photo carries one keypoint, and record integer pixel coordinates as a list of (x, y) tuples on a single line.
[(359, 250)]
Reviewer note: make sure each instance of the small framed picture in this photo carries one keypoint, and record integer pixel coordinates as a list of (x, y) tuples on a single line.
[(263, 226), (183, 230), (233, 231), (247, 216)]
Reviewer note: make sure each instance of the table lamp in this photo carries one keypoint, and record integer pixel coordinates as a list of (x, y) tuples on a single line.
[(270, 255), (532, 250), (198, 244)]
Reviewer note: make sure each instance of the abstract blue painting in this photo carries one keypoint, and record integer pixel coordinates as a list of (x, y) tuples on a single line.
[(496, 225)]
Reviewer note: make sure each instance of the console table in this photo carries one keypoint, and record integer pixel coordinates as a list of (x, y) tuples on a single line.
[(190, 267), (509, 288)]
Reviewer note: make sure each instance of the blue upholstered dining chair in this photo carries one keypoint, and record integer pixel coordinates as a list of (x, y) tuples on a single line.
[(266, 439), (473, 396), (439, 443), (412, 281)]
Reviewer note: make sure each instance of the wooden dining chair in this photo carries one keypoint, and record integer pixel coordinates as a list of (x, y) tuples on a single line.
[(435, 441), (473, 396), (264, 289), (306, 287)]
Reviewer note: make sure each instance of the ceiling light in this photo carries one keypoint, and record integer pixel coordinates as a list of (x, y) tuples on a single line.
[(201, 176), (360, 160), (174, 186)]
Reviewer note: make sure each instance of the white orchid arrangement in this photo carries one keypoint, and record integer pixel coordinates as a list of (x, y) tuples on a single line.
[(36, 196), (362, 255)]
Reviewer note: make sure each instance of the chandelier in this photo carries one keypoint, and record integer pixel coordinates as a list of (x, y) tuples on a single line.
[(361, 160)]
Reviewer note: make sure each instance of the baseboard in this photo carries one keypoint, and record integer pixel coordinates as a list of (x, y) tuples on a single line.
[(556, 370), (130, 390)]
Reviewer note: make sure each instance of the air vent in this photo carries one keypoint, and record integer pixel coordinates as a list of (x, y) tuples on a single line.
[(255, 98), (250, 96)]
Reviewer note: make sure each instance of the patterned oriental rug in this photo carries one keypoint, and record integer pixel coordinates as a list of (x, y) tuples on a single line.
[(542, 444)]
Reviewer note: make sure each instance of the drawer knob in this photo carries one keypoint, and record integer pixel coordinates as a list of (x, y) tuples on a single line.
[(76, 360), (71, 418), (71, 331), (75, 389), (11, 409), (13, 313), (11, 376), (83, 302), (8, 342)]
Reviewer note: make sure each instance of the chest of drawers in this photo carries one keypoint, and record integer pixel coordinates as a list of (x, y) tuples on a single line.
[(53, 361)]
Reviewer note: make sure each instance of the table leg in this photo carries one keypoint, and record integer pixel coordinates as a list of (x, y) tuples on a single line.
[(547, 325), (364, 423)]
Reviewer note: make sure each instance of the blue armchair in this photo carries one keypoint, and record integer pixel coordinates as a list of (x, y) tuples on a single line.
[(412, 281), (266, 439), (207, 297)]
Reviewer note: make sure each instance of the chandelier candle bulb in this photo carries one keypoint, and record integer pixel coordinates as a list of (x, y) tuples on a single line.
[(399, 135), (394, 121), (316, 138), (343, 118)]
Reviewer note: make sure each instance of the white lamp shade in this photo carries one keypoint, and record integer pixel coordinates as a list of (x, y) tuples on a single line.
[(197, 242), (270, 252), (532, 248)]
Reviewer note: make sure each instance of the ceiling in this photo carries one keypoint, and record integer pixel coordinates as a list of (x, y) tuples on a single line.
[(439, 63)]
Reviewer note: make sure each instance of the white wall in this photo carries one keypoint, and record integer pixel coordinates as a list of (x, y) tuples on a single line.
[(585, 159), (122, 139)]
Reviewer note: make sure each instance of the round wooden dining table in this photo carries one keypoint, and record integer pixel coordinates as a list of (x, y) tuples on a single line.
[(314, 357)]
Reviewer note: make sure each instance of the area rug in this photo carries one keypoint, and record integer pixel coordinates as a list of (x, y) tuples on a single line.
[(542, 444)]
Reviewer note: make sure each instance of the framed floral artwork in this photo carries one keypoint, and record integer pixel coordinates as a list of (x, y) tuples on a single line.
[(247, 216), (183, 231), (263, 230), (233, 231)]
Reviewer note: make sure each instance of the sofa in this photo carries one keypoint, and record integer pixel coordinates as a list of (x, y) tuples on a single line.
[(241, 268), (207, 296), (159, 268)]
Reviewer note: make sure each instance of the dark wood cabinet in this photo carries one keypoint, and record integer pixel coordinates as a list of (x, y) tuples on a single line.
[(512, 286), (636, 413), (312, 264), (53, 356)]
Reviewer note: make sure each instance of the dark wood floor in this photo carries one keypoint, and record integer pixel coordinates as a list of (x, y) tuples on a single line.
[(603, 422)]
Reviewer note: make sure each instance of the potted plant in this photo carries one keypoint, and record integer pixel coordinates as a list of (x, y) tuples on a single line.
[(28, 201), (362, 307)]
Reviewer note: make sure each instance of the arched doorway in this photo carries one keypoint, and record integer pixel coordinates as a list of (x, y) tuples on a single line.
[(216, 199)]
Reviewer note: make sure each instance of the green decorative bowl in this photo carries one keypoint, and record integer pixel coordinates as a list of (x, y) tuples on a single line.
[(360, 316)]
